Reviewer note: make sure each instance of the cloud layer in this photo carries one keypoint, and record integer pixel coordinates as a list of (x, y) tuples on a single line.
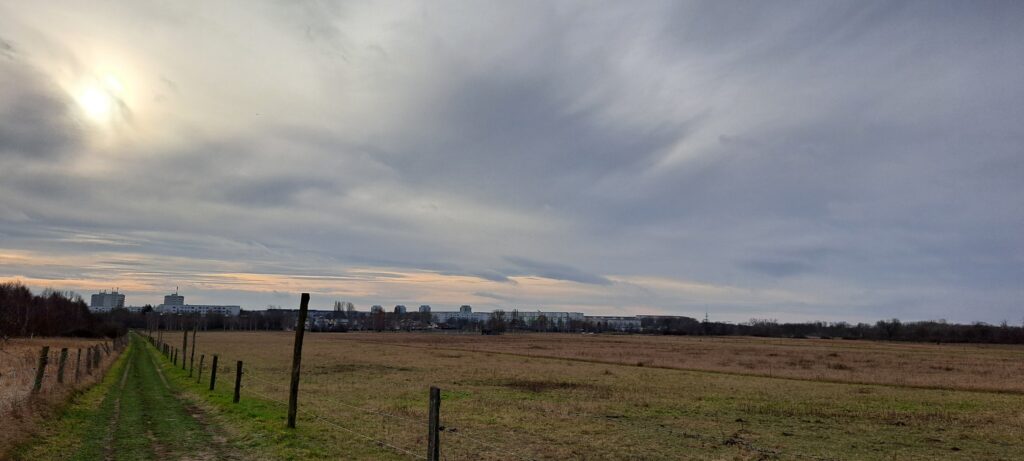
[(802, 161)]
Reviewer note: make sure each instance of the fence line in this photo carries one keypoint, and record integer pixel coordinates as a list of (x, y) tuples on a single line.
[(47, 370), (255, 373)]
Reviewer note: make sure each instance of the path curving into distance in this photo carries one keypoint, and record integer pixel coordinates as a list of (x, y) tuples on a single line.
[(133, 414)]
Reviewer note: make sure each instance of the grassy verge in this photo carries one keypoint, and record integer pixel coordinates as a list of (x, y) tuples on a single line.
[(131, 415), (256, 426), (78, 433)]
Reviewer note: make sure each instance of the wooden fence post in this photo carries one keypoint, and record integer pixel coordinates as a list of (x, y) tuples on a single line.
[(96, 358), (213, 372), (192, 358), (60, 364), (293, 392), (433, 426), (184, 348), (44, 357), (88, 360), (199, 376), (78, 365), (175, 357), (238, 379)]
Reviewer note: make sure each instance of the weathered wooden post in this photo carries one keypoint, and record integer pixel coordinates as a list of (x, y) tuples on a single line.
[(238, 379), (96, 358), (199, 376), (60, 364), (78, 365), (44, 357), (184, 348), (192, 358), (213, 372), (433, 426), (88, 360), (293, 392)]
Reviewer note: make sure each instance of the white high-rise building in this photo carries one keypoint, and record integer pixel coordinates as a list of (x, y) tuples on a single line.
[(175, 304), (105, 302), (174, 300)]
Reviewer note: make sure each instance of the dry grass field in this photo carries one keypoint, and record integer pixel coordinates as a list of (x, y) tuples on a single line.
[(18, 360), (627, 397), (947, 366)]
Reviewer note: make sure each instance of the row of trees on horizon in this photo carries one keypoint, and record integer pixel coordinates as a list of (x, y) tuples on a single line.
[(50, 313), (54, 313)]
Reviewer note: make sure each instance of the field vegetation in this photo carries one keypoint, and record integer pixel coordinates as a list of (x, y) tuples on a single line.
[(944, 366), (24, 411), (364, 395)]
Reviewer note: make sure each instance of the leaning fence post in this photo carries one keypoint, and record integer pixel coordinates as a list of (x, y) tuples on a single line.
[(184, 348), (60, 364), (192, 357), (199, 376), (293, 392), (213, 372), (433, 427), (44, 357), (78, 365), (238, 379), (174, 357)]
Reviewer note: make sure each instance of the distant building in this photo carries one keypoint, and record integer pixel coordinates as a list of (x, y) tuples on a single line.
[(175, 304), (400, 309), (424, 309), (376, 308), (465, 313), (616, 323), (174, 300), (105, 302)]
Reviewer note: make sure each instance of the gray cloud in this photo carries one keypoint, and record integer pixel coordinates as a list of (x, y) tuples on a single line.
[(862, 155), (556, 271), (35, 123)]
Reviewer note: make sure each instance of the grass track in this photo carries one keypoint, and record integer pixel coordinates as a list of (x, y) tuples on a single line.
[(133, 414)]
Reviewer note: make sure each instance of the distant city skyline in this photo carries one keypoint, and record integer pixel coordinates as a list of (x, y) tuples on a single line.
[(795, 161)]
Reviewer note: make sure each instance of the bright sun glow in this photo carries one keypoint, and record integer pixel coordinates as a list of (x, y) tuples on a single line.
[(100, 99), (96, 103)]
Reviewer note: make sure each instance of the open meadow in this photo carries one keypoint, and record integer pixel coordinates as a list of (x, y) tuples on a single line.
[(562, 396)]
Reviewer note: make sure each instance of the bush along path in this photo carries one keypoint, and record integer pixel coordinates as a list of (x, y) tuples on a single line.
[(135, 413)]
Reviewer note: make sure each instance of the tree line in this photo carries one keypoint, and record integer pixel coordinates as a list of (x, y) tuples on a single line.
[(55, 313), (50, 313), (936, 331)]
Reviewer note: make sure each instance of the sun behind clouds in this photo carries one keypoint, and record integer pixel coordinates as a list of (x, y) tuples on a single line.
[(102, 99)]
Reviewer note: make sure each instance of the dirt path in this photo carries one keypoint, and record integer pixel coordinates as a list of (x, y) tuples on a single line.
[(135, 414)]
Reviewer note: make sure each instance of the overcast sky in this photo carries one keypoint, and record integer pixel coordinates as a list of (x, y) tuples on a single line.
[(787, 160)]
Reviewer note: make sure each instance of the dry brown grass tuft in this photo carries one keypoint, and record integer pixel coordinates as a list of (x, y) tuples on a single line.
[(18, 362)]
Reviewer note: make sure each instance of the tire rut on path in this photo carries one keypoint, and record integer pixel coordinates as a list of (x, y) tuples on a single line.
[(138, 412), (112, 429), (217, 449)]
